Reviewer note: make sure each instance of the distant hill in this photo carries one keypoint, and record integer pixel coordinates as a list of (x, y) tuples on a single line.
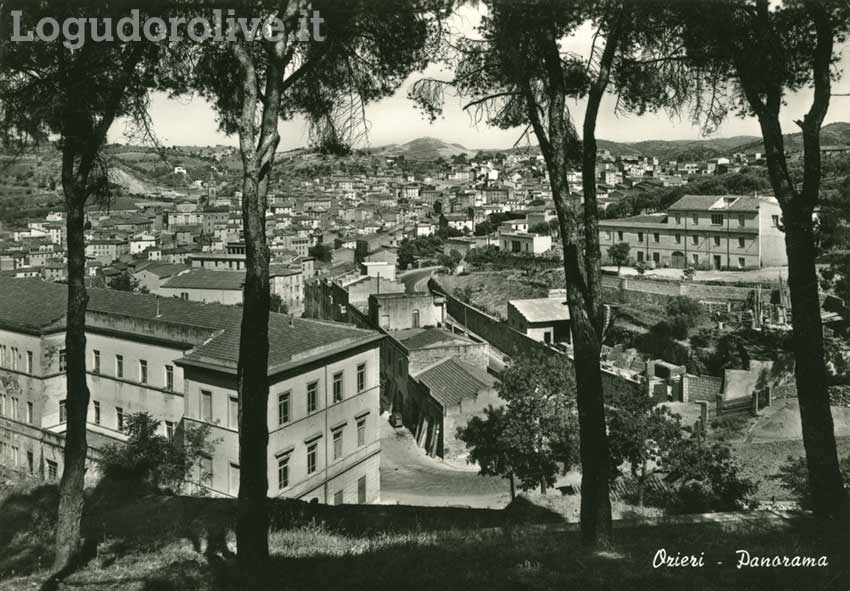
[(424, 148)]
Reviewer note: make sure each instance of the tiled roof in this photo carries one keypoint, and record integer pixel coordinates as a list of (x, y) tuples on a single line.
[(206, 279), (451, 381), (164, 269), (429, 337), (716, 202)]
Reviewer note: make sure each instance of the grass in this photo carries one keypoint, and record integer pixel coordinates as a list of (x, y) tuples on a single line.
[(178, 543)]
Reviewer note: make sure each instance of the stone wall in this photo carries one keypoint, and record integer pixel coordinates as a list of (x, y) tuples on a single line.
[(696, 388), (623, 288)]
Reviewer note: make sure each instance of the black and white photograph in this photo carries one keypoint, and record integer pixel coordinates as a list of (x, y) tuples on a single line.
[(424, 295)]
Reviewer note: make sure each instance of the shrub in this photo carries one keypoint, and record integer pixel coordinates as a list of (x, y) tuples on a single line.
[(793, 476)]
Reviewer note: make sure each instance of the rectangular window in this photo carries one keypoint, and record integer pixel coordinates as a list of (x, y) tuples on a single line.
[(361, 377), (640, 236), (741, 263), (52, 470), (741, 221), (361, 432), (656, 237), (29, 413), (206, 406), (169, 378), (283, 472), (717, 241), (233, 475), (62, 360), (338, 387), (119, 418), (338, 497), (696, 259), (119, 366), (620, 236), (695, 239), (3, 355), (31, 462), (716, 220), (63, 413), (312, 396), (29, 361), (678, 238), (311, 458), (95, 361), (361, 490), (15, 358), (695, 219), (233, 413), (96, 406), (640, 256), (678, 219), (143, 371), (775, 220), (169, 430), (337, 444), (742, 243), (283, 408), (15, 453)]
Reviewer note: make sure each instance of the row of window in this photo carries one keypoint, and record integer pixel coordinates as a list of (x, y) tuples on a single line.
[(120, 417), (11, 357), (656, 257), (10, 455), (716, 219), (142, 370), (656, 238), (284, 400), (10, 407)]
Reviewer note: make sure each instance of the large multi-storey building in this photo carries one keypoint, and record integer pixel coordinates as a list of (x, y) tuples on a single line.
[(706, 231), (176, 360)]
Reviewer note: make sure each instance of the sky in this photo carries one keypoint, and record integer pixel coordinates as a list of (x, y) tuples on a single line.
[(395, 120)]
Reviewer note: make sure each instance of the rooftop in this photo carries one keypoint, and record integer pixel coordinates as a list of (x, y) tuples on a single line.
[(451, 381), (542, 309)]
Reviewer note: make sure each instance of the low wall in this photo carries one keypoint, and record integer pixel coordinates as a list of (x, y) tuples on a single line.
[(657, 291)]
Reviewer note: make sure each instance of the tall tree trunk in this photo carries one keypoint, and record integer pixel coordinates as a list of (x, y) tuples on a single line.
[(68, 539)]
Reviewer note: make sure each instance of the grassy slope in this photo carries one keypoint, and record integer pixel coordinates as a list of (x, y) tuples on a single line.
[(179, 544)]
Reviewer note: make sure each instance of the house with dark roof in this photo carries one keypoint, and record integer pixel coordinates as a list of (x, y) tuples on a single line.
[(543, 319), (703, 231), (444, 396), (177, 360)]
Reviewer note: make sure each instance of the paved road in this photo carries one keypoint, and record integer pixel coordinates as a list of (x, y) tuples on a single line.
[(410, 477), (413, 279)]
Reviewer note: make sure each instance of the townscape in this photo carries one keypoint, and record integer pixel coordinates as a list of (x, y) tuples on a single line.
[(224, 364)]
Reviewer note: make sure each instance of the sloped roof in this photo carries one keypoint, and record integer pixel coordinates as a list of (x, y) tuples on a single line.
[(542, 309), (429, 337), (207, 279), (451, 381), (716, 202)]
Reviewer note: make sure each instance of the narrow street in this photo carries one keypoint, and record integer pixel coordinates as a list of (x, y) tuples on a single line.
[(410, 477)]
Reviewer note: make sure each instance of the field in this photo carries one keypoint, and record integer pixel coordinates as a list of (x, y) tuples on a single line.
[(168, 543)]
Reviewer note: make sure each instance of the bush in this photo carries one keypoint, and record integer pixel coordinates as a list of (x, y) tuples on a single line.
[(151, 462), (794, 477), (690, 309)]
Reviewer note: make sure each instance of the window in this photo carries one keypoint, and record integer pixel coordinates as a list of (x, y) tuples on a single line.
[(361, 490), (233, 476), (717, 241), (741, 221), (656, 257), (63, 363), (13, 410), (695, 219), (3, 355), (312, 396), (337, 444), (696, 259), (283, 472), (14, 358), (361, 377), (2, 405), (678, 238), (31, 462), (206, 406), (29, 413), (184, 295), (16, 451), (775, 220), (620, 236), (233, 413), (29, 362), (656, 237), (96, 406), (338, 497), (119, 366), (283, 408), (52, 470), (119, 416), (95, 361), (338, 387), (741, 263), (717, 219), (414, 321), (311, 458), (361, 432), (640, 256), (63, 413), (742, 242), (640, 236), (143, 371), (678, 219), (169, 378), (695, 239), (205, 468), (169, 430)]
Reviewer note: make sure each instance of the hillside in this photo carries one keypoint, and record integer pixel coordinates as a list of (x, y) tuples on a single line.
[(424, 148)]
